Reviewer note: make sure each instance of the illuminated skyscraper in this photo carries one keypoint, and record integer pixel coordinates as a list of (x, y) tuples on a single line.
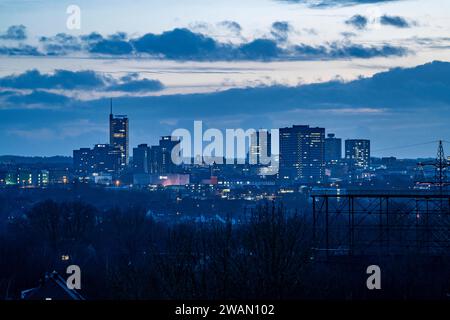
[(302, 154), (103, 158), (357, 153), (119, 136), (333, 149)]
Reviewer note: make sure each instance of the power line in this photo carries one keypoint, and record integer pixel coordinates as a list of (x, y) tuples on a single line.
[(407, 146)]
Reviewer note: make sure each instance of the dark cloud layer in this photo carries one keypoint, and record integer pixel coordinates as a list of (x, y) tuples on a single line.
[(347, 50), (426, 86), (423, 86), (179, 44), (80, 80), (21, 50), (185, 45), (112, 47), (37, 97), (61, 79), (144, 85)]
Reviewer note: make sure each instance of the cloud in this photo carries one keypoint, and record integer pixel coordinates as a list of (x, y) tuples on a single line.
[(201, 27), (260, 49), (347, 50), (130, 77), (436, 42), (179, 44), (395, 21), (79, 80), (280, 30), (17, 32), (67, 129), (92, 37), (38, 97), (112, 47), (33, 134), (116, 44), (233, 26), (60, 79), (355, 111), (60, 44), (399, 88), (21, 50), (358, 21), (182, 44), (144, 85), (118, 36), (333, 3)]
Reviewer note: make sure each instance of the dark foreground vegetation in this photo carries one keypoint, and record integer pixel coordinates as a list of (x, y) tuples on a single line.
[(126, 254)]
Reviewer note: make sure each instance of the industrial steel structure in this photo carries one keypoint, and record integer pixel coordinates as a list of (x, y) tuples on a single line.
[(415, 221)]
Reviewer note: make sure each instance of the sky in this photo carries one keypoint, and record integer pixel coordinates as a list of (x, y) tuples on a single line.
[(370, 69)]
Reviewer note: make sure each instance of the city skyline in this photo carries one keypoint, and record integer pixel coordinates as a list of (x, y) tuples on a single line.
[(125, 154)]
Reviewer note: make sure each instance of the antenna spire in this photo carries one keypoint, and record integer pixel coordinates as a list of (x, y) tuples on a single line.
[(110, 106)]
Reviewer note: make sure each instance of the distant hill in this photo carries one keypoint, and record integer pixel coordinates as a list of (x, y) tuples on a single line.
[(35, 160)]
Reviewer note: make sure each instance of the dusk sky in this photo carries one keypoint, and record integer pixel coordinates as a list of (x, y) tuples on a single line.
[(372, 69)]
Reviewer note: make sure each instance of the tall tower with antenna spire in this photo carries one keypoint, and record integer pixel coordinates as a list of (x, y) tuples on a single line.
[(119, 135)]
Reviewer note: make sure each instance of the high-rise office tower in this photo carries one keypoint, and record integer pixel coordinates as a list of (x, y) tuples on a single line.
[(357, 153), (302, 154), (161, 156), (333, 149), (103, 158), (141, 158), (119, 136)]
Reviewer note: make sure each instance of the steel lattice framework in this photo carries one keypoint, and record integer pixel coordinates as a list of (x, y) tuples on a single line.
[(367, 223)]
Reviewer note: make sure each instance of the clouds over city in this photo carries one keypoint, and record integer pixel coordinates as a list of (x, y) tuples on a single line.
[(397, 88), (378, 103), (186, 45), (84, 79), (35, 88)]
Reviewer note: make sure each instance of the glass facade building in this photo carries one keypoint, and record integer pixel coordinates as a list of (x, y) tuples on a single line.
[(302, 154)]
